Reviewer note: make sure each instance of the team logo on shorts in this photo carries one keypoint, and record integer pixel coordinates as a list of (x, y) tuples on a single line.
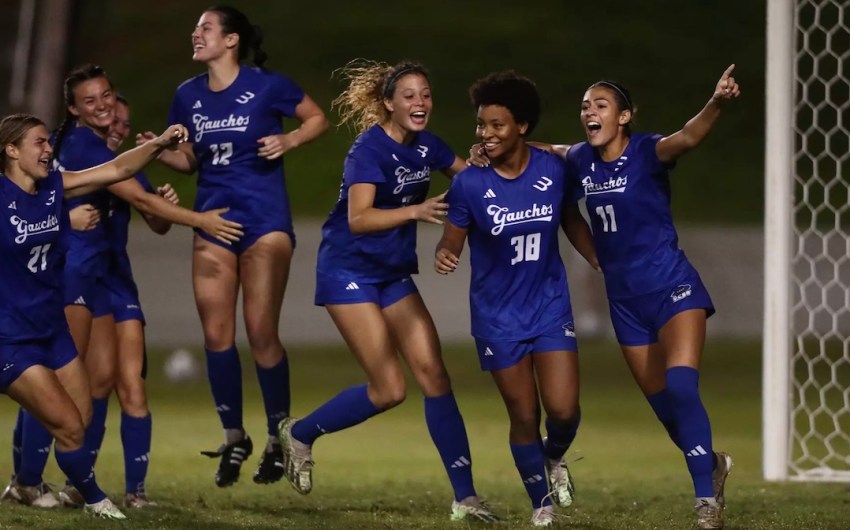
[(569, 329), (681, 292)]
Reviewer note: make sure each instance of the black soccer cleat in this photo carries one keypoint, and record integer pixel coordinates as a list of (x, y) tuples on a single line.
[(232, 457), (271, 467)]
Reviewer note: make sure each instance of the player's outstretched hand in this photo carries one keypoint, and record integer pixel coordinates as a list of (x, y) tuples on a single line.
[(145, 137), (727, 88), (445, 262), (219, 227), (431, 210), (477, 156), (173, 135)]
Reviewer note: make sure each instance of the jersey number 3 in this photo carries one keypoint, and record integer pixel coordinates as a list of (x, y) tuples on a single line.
[(527, 248), (39, 254)]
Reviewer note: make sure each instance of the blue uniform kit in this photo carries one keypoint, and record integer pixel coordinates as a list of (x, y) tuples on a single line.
[(647, 276), (519, 297), (376, 267), (33, 234), (224, 128)]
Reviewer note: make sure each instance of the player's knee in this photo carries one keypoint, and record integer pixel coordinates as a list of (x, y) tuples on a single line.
[(389, 395), (433, 378), (133, 399), (69, 435), (565, 415)]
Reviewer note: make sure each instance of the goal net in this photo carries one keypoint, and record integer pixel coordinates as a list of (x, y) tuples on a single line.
[(806, 377)]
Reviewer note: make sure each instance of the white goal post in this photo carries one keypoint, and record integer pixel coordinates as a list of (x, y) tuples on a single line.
[(806, 336)]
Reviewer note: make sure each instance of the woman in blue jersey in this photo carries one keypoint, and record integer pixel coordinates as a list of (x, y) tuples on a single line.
[(658, 303), (363, 277), (522, 320), (41, 370), (234, 113), (79, 143)]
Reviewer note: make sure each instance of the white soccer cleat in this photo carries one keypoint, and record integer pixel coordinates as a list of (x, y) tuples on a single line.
[(104, 509), (561, 484), (473, 508), (297, 458), (718, 476), (40, 496), (543, 516)]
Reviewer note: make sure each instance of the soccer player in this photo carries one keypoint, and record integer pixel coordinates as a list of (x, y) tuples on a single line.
[(41, 370), (234, 113), (363, 277), (522, 321), (79, 143), (658, 303)]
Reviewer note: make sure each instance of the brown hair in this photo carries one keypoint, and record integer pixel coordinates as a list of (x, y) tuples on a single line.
[(12, 131)]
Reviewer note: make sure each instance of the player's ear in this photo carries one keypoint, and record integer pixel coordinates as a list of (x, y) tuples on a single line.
[(523, 127), (625, 117)]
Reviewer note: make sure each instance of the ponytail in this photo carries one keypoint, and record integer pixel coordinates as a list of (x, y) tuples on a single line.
[(250, 35)]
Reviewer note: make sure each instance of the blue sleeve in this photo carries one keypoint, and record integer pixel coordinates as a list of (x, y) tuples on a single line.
[(443, 155), (359, 168), (177, 114), (458, 213), (287, 95), (646, 148), (143, 180), (573, 189)]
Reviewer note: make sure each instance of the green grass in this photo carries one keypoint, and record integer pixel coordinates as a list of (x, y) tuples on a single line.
[(386, 474)]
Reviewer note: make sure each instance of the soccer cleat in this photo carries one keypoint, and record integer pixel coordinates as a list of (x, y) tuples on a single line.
[(271, 467), (297, 458), (543, 516), (104, 509), (473, 508), (10, 491), (40, 496), (137, 500), (718, 476), (70, 497), (709, 515), (560, 482), (232, 456)]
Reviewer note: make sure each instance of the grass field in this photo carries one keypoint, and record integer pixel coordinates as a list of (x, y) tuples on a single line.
[(386, 473)]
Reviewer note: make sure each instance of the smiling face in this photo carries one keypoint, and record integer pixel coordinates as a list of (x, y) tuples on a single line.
[(499, 131), (411, 104), (94, 103), (31, 154), (603, 120), (209, 41), (120, 128)]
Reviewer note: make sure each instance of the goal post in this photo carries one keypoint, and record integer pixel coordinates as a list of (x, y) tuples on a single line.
[(806, 334)]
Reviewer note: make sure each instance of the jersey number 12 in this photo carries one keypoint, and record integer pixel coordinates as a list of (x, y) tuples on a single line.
[(221, 153)]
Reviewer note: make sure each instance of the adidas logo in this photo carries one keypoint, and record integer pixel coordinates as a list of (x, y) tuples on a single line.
[(80, 301), (13, 206), (488, 352), (490, 194), (197, 104), (222, 408), (461, 462), (697, 451), (534, 479), (144, 458), (352, 287)]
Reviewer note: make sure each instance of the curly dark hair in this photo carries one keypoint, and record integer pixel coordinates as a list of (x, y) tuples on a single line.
[(508, 89)]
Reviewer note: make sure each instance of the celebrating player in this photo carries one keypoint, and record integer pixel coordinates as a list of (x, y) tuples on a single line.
[(365, 263), (522, 321), (42, 372), (234, 113)]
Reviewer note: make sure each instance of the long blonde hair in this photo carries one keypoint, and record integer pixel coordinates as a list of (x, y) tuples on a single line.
[(361, 104)]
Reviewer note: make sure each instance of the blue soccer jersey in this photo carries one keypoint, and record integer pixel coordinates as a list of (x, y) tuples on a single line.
[(88, 249), (628, 201), (401, 175), (519, 285), (118, 225), (32, 236), (224, 128)]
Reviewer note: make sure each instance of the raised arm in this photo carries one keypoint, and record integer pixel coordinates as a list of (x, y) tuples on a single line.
[(363, 217), (313, 124), (696, 129), (181, 159), (124, 166), (447, 254)]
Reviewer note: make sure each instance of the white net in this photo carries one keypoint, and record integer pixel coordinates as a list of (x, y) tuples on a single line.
[(820, 363)]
